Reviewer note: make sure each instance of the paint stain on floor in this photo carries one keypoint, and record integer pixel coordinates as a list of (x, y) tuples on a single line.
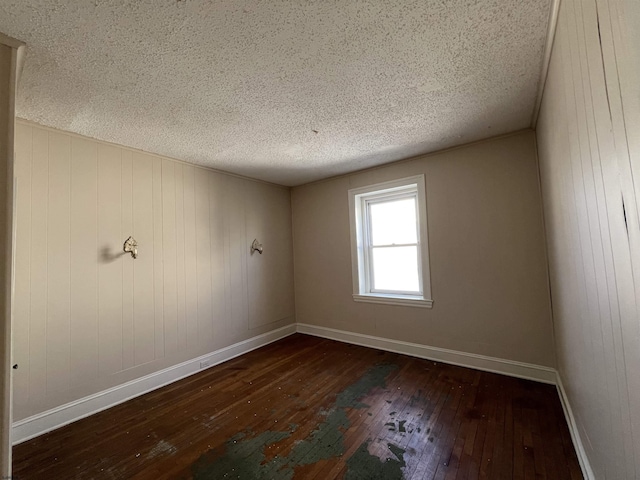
[(364, 466), (244, 456)]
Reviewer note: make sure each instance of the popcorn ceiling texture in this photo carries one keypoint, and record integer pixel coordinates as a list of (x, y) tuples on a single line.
[(244, 86)]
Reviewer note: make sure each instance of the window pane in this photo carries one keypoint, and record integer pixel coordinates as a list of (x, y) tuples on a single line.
[(396, 269), (393, 222)]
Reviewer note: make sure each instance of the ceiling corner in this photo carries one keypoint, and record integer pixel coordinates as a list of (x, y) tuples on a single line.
[(548, 47)]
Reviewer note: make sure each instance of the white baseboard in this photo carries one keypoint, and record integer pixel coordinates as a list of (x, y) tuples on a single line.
[(471, 360), (587, 472), (511, 368), (44, 422)]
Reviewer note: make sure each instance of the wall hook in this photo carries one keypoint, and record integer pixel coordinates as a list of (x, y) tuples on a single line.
[(256, 247), (131, 246)]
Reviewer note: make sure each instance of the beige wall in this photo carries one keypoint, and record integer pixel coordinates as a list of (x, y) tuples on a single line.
[(588, 145), (486, 243), (7, 96), (89, 318)]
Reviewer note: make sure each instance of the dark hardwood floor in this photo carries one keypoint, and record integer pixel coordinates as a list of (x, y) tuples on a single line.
[(308, 408)]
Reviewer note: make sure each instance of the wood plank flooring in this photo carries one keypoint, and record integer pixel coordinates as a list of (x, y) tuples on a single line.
[(309, 408)]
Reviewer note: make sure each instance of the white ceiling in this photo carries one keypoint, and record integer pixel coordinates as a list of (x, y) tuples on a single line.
[(244, 86)]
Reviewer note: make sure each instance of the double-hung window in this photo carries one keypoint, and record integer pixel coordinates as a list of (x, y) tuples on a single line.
[(390, 254)]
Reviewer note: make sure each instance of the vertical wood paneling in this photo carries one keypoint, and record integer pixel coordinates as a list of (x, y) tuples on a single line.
[(191, 258), (158, 259), (181, 306), (39, 291), (605, 360), (128, 324), (622, 67), (83, 266), (58, 258), (110, 267), (169, 260), (89, 317), (22, 304), (203, 251), (143, 284), (585, 171), (607, 183), (220, 288), (237, 249)]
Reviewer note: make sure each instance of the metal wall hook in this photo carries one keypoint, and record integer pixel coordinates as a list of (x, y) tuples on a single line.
[(131, 246), (256, 247)]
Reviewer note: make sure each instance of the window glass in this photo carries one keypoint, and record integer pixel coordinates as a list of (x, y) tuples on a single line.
[(393, 222), (389, 243), (395, 269)]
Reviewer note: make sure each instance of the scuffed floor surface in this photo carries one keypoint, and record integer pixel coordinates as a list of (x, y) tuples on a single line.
[(308, 408)]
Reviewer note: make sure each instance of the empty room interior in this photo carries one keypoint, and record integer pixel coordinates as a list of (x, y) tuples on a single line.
[(320, 239)]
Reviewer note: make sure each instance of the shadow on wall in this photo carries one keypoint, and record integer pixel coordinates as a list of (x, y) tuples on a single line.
[(106, 255)]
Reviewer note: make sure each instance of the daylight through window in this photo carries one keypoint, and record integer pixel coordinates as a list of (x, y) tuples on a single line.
[(389, 243)]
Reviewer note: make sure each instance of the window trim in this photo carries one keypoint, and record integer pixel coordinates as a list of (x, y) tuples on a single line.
[(359, 198)]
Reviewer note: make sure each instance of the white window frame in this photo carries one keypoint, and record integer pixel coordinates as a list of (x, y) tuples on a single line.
[(360, 200)]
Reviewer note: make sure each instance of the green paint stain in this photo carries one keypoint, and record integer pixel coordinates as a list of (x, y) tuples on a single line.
[(325, 441), (245, 457), (420, 399), (364, 466)]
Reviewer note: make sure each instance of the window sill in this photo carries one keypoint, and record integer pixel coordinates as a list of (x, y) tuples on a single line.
[(402, 300)]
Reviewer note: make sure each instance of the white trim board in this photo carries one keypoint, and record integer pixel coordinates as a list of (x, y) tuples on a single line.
[(583, 460), (44, 422), (511, 368)]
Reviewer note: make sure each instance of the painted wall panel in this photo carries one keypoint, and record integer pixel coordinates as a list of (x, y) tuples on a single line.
[(266, 221), (89, 317), (158, 259), (128, 324), (58, 258), (236, 247), (486, 247), (181, 324), (169, 250), (20, 331), (590, 206), (191, 258), (143, 266), (220, 291), (203, 259), (39, 290), (110, 269), (84, 250)]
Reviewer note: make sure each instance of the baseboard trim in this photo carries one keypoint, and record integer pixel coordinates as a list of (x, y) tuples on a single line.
[(587, 472), (44, 422), (471, 360)]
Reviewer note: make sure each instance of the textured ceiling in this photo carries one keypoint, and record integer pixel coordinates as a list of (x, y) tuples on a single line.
[(285, 91)]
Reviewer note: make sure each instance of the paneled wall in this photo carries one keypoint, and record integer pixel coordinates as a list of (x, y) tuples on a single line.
[(588, 145), (88, 317), (486, 249)]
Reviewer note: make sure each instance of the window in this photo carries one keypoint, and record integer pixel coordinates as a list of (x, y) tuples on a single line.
[(390, 255)]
